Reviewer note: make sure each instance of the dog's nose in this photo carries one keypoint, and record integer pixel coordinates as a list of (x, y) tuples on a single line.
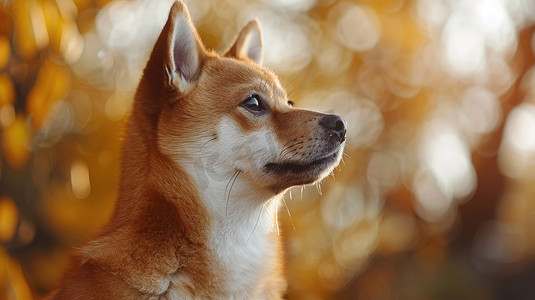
[(335, 125)]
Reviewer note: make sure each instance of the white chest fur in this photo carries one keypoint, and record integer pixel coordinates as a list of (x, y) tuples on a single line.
[(243, 247), (243, 254), (242, 214)]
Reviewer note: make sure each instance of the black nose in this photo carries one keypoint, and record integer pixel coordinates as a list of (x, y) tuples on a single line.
[(335, 125)]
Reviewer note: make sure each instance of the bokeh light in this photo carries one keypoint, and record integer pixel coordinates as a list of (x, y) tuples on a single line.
[(434, 198)]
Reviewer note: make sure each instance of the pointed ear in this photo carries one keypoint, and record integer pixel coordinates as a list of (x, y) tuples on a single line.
[(184, 53), (248, 44)]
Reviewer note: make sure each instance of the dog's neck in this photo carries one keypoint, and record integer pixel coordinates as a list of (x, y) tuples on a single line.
[(235, 205), (242, 232)]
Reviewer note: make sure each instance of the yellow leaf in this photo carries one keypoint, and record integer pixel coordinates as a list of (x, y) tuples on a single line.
[(7, 90), (30, 29), (16, 139), (52, 84), (8, 219), (11, 271), (54, 23), (5, 51)]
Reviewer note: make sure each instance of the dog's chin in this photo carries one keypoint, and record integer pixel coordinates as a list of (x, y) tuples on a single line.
[(291, 173)]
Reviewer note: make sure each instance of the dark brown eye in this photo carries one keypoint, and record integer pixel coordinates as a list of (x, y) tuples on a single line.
[(290, 103), (253, 103)]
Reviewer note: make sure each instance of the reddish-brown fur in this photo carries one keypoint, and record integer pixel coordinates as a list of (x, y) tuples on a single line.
[(160, 226)]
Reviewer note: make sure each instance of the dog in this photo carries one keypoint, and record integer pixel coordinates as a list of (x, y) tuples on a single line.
[(211, 145)]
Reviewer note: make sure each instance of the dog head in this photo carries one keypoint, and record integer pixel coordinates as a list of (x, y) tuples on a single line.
[(226, 114)]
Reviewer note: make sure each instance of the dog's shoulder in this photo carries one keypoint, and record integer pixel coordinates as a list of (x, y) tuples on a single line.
[(149, 250)]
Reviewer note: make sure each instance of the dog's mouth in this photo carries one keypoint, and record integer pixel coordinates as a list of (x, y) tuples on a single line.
[(308, 168), (296, 167)]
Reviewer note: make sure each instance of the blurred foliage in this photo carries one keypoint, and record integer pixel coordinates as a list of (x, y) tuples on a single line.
[(434, 200)]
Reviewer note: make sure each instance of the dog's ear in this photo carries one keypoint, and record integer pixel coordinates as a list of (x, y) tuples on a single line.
[(248, 44), (180, 48)]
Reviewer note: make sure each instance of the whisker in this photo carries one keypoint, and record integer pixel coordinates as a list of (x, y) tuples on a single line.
[(288, 150), (267, 211), (255, 225), (344, 156), (200, 150), (295, 144), (318, 187), (289, 142), (290, 216), (277, 220), (231, 183), (290, 82), (294, 155)]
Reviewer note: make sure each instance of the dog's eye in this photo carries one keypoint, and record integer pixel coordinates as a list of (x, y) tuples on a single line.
[(253, 103), (290, 103)]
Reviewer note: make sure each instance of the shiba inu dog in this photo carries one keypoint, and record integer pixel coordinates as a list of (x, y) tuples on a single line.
[(211, 145)]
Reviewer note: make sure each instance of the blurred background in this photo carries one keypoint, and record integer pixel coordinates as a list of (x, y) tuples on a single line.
[(434, 200)]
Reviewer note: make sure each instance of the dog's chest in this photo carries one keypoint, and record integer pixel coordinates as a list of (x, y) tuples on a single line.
[(244, 253), (241, 264)]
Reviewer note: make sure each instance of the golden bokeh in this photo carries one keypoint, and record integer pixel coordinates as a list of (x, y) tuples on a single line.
[(8, 219), (435, 195), (5, 51), (16, 141)]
